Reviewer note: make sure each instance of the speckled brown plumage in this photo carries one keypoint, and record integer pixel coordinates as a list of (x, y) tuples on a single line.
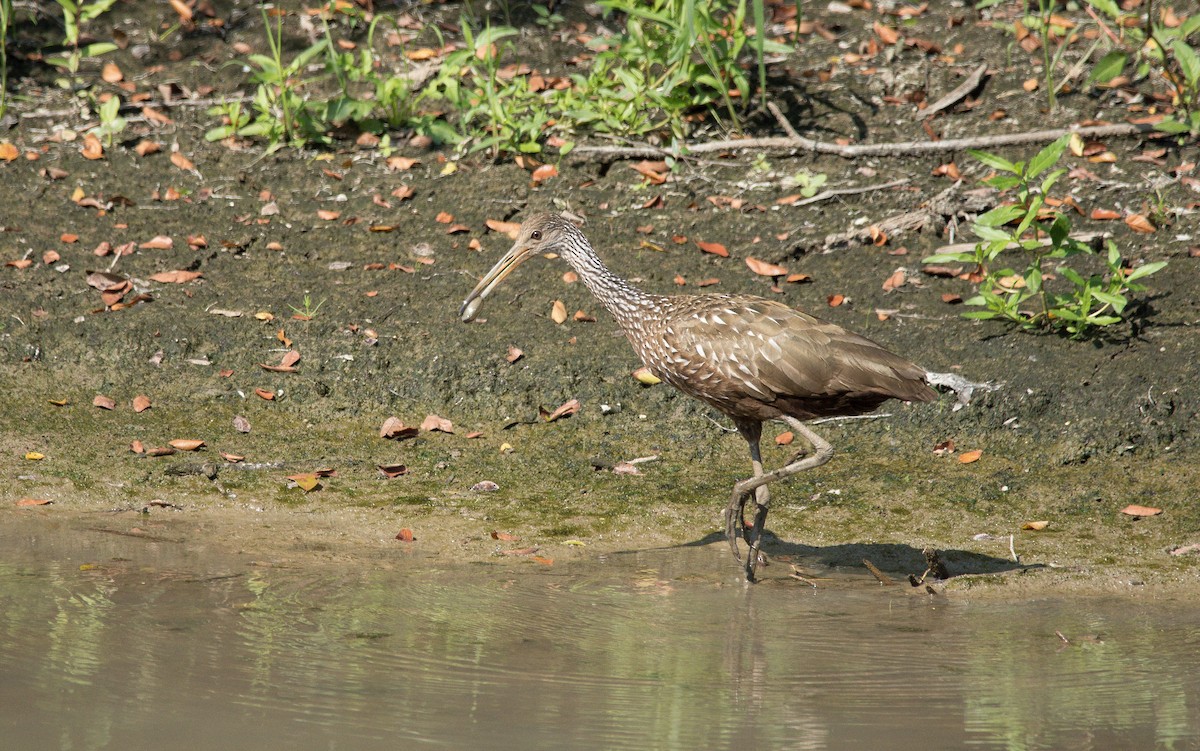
[(751, 358)]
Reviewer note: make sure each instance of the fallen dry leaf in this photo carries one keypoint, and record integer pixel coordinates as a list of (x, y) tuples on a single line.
[(504, 536), (433, 422), (717, 249), (391, 471), (141, 403), (103, 402), (508, 229), (176, 277), (643, 375), (835, 300), (762, 268), (1139, 223), (158, 242), (92, 149), (1135, 510), (104, 281), (785, 438), (307, 481), (264, 394), (182, 8), (894, 281), (558, 312), (186, 444), (182, 162), (231, 458), (566, 409), (328, 215), (26, 502), (485, 486), (543, 173), (514, 354), (444, 217), (401, 163), (1037, 526), (405, 535), (1102, 215), (967, 457), (395, 429), (8, 152)]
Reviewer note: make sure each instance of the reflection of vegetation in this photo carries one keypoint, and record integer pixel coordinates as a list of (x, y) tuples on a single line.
[(1112, 679), (639, 657)]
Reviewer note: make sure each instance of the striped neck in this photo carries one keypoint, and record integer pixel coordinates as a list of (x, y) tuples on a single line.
[(624, 301)]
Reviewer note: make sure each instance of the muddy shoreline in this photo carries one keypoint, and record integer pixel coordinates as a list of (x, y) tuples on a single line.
[(1078, 431)]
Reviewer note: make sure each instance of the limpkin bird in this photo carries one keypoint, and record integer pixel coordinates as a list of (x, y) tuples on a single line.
[(751, 358)]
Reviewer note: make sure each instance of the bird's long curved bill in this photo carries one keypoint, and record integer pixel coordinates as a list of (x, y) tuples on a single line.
[(513, 258)]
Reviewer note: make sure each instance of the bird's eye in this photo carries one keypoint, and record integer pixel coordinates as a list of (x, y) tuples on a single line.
[(535, 235)]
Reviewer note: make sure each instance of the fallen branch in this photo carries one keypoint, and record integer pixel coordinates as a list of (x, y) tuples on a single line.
[(825, 195), (854, 151), (966, 87)]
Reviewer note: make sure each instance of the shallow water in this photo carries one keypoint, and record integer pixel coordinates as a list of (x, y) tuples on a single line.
[(114, 642)]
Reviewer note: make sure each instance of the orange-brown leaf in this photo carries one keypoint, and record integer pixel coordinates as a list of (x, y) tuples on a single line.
[(395, 429), (1139, 223), (440, 424), (1135, 510), (508, 229), (103, 402), (566, 409), (141, 403), (158, 242), (968, 457), (176, 277), (762, 268), (181, 161), (717, 249), (894, 281), (92, 149), (558, 312), (187, 444), (545, 172)]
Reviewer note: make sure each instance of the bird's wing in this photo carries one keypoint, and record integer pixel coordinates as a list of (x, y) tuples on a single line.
[(773, 351)]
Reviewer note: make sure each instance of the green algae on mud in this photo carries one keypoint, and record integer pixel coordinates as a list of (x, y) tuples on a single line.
[(1077, 431)]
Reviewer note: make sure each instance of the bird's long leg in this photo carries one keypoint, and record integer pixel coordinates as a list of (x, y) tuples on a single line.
[(734, 520), (823, 452)]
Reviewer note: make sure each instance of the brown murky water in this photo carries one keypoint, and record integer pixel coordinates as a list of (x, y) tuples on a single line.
[(108, 642)]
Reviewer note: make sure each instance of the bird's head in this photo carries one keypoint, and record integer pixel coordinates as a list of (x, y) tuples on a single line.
[(539, 234)]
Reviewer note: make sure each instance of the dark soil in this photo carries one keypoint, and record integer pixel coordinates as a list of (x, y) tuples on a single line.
[(1077, 431)]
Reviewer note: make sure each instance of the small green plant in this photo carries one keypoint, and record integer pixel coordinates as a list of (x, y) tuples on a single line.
[(546, 17), (1156, 51), (75, 14), (307, 311), (1023, 296), (809, 182), (6, 11), (111, 122)]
